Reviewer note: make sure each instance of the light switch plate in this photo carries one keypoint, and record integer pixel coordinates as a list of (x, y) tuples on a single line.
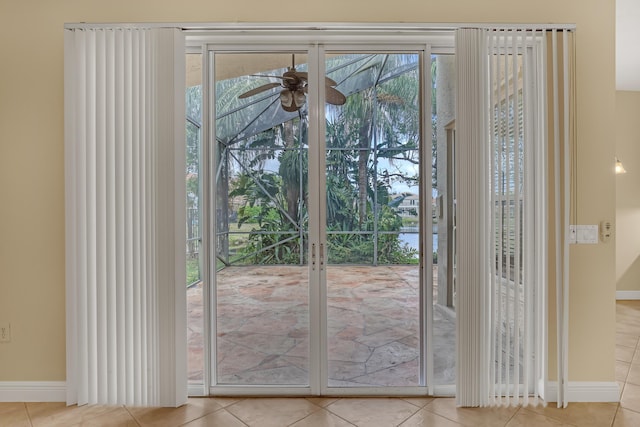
[(587, 234)]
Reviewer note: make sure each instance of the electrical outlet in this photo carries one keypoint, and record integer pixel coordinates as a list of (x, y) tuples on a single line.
[(606, 231), (5, 332)]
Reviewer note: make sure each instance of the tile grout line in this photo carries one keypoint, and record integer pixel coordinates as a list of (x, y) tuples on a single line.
[(26, 411), (333, 413), (520, 407), (613, 421), (308, 415), (409, 417), (202, 416), (326, 409), (234, 415), (426, 408), (135, 420)]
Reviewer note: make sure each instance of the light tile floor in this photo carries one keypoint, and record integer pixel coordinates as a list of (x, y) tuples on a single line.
[(369, 412)]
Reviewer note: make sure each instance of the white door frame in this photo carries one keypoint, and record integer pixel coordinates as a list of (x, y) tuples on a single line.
[(313, 43)]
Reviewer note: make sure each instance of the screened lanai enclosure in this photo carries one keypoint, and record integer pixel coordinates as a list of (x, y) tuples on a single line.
[(357, 206), (371, 166)]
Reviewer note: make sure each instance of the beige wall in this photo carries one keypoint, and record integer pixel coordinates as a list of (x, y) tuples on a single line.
[(627, 131), (31, 152)]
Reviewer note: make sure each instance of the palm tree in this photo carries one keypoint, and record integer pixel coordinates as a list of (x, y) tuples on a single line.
[(386, 115), (357, 115), (293, 166)]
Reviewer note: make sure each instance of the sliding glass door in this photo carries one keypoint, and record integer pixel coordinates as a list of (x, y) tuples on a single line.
[(321, 220)]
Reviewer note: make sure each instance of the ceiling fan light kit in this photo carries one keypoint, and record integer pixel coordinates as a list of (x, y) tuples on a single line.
[(292, 101)]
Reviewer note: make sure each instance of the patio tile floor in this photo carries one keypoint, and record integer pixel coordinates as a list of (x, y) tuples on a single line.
[(372, 327)]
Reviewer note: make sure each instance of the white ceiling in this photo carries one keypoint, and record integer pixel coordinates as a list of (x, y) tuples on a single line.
[(628, 45)]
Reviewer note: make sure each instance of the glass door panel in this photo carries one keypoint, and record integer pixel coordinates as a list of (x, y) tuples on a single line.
[(373, 221), (194, 254), (261, 227)]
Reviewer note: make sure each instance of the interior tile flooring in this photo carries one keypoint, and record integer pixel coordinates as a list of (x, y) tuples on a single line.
[(369, 412)]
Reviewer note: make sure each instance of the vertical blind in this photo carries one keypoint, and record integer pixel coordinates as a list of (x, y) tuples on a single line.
[(124, 157), (512, 108)]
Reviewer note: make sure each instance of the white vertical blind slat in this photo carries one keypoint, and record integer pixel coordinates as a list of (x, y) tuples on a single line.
[(542, 182), (507, 225), (82, 265), (149, 242), (558, 218), (145, 141), (101, 221), (499, 106), (566, 185), (527, 220), (517, 227), (111, 314), (542, 209), (121, 262), (494, 120), (136, 193), (71, 219), (91, 220), (128, 221)]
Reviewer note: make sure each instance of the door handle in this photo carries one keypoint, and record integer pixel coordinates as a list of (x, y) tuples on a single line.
[(321, 256), (313, 256)]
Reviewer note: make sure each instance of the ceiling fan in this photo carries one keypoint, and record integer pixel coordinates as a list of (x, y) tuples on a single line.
[(294, 88)]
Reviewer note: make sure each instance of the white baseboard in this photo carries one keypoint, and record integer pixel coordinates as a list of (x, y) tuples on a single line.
[(55, 391), (197, 391), (622, 295), (33, 391), (585, 391)]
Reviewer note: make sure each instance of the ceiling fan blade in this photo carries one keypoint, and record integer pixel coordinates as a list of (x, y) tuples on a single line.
[(330, 82), (258, 89), (334, 96), (303, 75), (266, 75)]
